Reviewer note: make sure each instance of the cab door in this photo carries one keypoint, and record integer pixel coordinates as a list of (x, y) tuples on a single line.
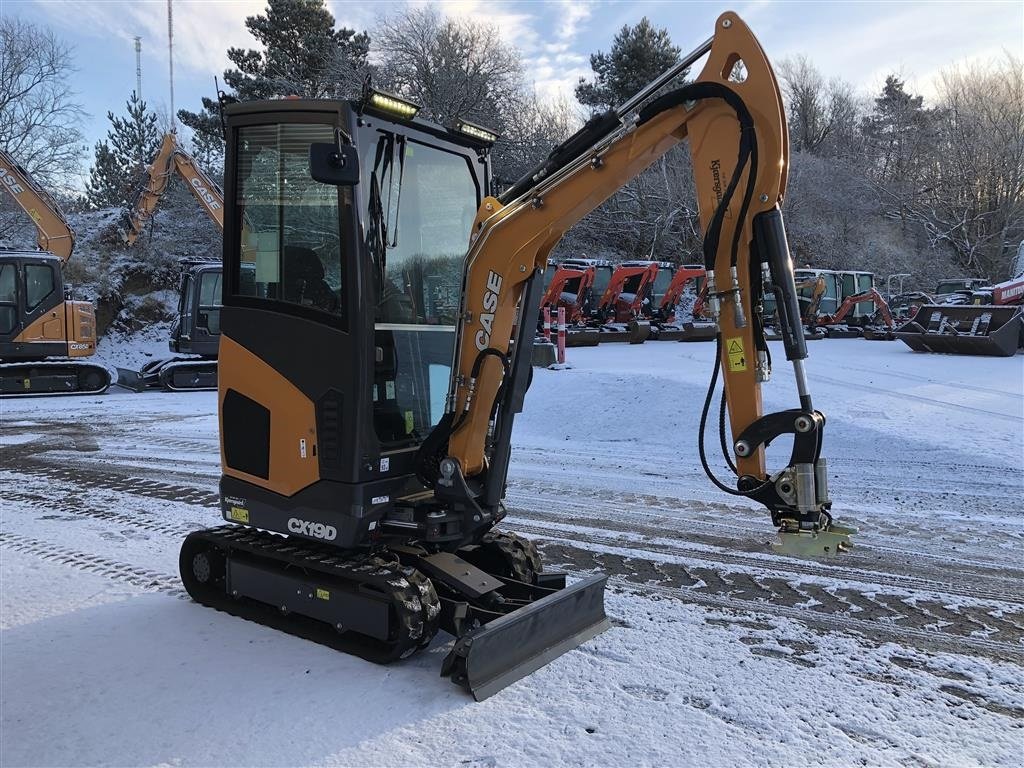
[(10, 307), (42, 302)]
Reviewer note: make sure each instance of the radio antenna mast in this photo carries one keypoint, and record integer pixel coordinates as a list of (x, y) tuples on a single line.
[(170, 57), (138, 67)]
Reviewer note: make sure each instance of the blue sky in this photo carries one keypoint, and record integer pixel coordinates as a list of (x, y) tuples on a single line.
[(858, 41)]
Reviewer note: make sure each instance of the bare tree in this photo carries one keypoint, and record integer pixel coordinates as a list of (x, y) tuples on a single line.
[(453, 68), (972, 199), (38, 111), (822, 115)]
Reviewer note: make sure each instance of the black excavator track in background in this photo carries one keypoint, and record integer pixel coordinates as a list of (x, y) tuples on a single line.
[(52, 377), (385, 605), (180, 374)]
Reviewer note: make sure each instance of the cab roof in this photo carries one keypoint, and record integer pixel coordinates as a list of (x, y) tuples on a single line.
[(344, 107)]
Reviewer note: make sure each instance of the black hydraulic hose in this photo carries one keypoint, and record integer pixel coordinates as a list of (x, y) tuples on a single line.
[(721, 434), (747, 149), (475, 372), (703, 428)]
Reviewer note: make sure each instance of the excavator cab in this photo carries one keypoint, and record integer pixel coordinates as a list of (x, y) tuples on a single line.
[(197, 329)]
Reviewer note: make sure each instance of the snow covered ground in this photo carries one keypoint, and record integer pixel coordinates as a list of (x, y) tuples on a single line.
[(908, 651)]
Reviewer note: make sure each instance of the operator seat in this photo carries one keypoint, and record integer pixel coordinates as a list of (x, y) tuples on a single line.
[(304, 279)]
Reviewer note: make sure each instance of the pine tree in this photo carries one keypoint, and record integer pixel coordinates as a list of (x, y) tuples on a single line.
[(102, 190), (122, 157), (897, 131), (638, 55), (301, 54), (652, 214)]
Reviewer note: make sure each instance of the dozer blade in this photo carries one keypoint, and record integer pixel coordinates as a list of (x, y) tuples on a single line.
[(833, 541), (130, 380), (491, 657), (964, 329)]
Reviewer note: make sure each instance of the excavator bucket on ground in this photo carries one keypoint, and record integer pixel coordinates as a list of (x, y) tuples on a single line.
[(964, 329), (582, 337)]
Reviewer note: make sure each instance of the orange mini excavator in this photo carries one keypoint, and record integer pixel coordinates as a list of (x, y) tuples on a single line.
[(371, 367)]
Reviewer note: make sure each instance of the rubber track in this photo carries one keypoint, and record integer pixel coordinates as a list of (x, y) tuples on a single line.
[(57, 364), (409, 593)]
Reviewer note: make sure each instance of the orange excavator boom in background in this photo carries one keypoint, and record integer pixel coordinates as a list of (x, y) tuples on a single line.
[(171, 159), (53, 232), (196, 332)]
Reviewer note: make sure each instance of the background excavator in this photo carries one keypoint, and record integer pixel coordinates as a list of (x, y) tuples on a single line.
[(371, 368), (196, 333), (992, 323), (675, 319), (44, 333), (572, 289)]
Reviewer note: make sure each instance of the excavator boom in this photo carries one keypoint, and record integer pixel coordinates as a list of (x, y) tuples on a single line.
[(53, 232), (733, 118), (171, 158), (196, 331)]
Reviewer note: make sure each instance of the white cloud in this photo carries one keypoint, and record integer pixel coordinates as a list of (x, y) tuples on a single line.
[(916, 41), (203, 31)]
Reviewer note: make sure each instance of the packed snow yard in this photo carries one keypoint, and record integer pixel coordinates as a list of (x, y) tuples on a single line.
[(907, 651)]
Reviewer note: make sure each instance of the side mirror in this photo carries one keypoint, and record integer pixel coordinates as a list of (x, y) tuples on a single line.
[(334, 164)]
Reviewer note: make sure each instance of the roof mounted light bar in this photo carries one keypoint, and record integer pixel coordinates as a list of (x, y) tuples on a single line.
[(476, 131), (390, 103)]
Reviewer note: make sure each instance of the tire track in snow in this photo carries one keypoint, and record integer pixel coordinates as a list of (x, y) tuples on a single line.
[(93, 477), (70, 506), (151, 581), (838, 607), (539, 525), (848, 610), (911, 397), (920, 380)]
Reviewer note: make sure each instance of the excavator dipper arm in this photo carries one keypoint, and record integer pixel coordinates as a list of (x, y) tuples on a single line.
[(733, 117)]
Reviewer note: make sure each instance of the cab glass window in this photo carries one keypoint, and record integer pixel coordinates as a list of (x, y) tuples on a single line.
[(8, 297), (38, 284), (602, 276), (661, 283), (421, 201), (8, 283), (290, 232), (210, 290), (210, 300)]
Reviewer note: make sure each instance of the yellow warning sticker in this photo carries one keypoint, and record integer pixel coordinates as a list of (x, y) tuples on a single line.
[(239, 514), (737, 357), (410, 422), (322, 594)]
